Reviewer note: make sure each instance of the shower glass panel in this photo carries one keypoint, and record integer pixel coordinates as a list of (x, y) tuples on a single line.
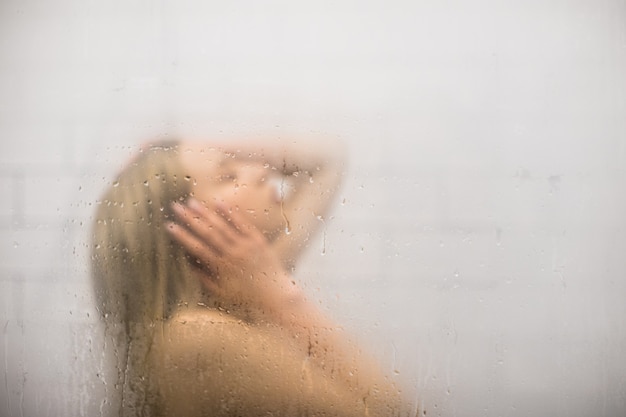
[(474, 247)]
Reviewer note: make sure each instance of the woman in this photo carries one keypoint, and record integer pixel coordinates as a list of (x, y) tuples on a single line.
[(193, 245)]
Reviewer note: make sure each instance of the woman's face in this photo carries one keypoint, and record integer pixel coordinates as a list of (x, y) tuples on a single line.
[(246, 186)]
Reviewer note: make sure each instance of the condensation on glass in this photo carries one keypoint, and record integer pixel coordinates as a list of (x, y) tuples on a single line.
[(399, 205)]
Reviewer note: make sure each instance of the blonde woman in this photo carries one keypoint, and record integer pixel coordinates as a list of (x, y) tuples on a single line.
[(193, 247)]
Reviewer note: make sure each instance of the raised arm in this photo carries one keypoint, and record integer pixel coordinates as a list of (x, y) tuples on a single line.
[(312, 173)]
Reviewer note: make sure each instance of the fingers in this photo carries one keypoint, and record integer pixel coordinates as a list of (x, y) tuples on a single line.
[(237, 220), (232, 224), (192, 243), (221, 216), (231, 219), (206, 224), (226, 232)]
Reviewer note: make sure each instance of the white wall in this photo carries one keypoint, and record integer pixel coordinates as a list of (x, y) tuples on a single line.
[(478, 248)]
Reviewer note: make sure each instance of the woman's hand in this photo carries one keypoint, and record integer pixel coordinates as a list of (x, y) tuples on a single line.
[(312, 167), (245, 271)]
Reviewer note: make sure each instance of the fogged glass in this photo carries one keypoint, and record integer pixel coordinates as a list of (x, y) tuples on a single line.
[(473, 251)]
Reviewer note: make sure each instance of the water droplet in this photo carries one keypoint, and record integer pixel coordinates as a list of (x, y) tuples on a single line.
[(116, 183), (187, 178), (146, 183)]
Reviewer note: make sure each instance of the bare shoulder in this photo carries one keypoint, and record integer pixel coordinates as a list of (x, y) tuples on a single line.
[(193, 361), (206, 330), (200, 317), (202, 335), (212, 364)]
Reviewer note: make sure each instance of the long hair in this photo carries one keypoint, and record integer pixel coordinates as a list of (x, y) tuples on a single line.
[(140, 275)]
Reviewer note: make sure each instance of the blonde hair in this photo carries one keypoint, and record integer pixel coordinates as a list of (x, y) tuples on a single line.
[(140, 275)]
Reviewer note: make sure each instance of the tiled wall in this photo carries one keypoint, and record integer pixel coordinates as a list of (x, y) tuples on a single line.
[(477, 245)]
